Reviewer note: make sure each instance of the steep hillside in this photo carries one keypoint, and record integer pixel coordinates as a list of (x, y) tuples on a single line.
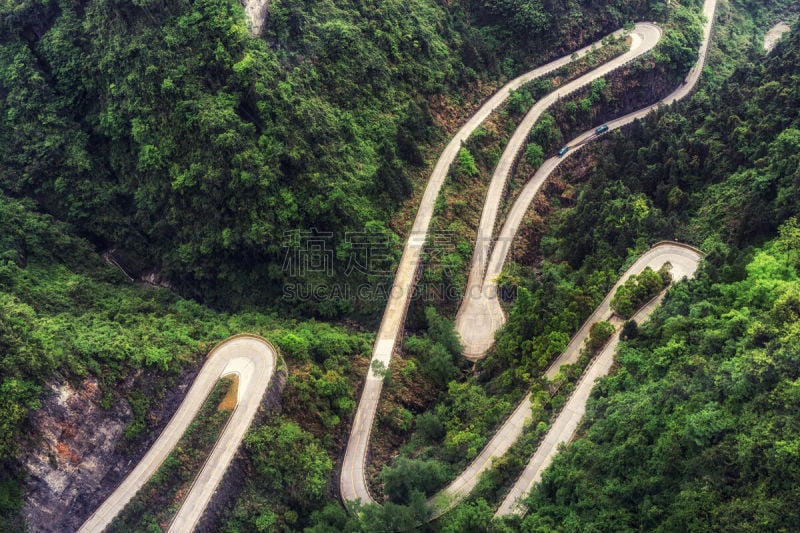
[(165, 134), (696, 430), (165, 131)]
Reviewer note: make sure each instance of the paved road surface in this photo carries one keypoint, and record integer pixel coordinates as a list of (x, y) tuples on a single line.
[(473, 320), (353, 483), (253, 360), (481, 315), (565, 425), (683, 259)]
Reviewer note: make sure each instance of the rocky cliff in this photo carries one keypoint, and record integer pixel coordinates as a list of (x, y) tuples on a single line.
[(75, 440), (257, 13), (75, 459)]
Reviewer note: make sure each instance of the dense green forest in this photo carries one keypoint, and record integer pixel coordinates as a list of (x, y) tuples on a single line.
[(573, 274), (697, 428), (691, 172), (164, 131), (65, 315), (720, 171)]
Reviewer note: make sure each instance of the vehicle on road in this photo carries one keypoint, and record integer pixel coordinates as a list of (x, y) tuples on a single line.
[(563, 151), (602, 129)]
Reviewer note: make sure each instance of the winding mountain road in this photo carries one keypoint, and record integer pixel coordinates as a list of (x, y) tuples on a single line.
[(253, 360), (353, 484), (684, 260), (473, 320), (481, 315)]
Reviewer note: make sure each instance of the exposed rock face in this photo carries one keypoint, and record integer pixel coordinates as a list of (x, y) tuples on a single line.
[(74, 461), (774, 35), (257, 13), (74, 455)]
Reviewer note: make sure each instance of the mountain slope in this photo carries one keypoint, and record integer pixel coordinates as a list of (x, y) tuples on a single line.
[(166, 131)]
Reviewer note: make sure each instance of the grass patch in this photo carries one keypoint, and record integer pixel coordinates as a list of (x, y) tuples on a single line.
[(229, 401)]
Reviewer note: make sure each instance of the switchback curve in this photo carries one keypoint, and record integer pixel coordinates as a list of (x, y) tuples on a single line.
[(470, 324), (250, 357), (253, 358), (353, 484), (684, 260), (480, 314)]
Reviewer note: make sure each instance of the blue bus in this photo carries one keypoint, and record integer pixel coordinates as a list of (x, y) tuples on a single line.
[(563, 151), (601, 129)]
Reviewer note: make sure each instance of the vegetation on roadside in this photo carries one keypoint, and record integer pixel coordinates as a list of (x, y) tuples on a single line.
[(458, 213), (156, 504), (288, 478), (672, 426), (697, 429), (63, 313), (165, 131), (162, 129), (608, 220), (638, 289)]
